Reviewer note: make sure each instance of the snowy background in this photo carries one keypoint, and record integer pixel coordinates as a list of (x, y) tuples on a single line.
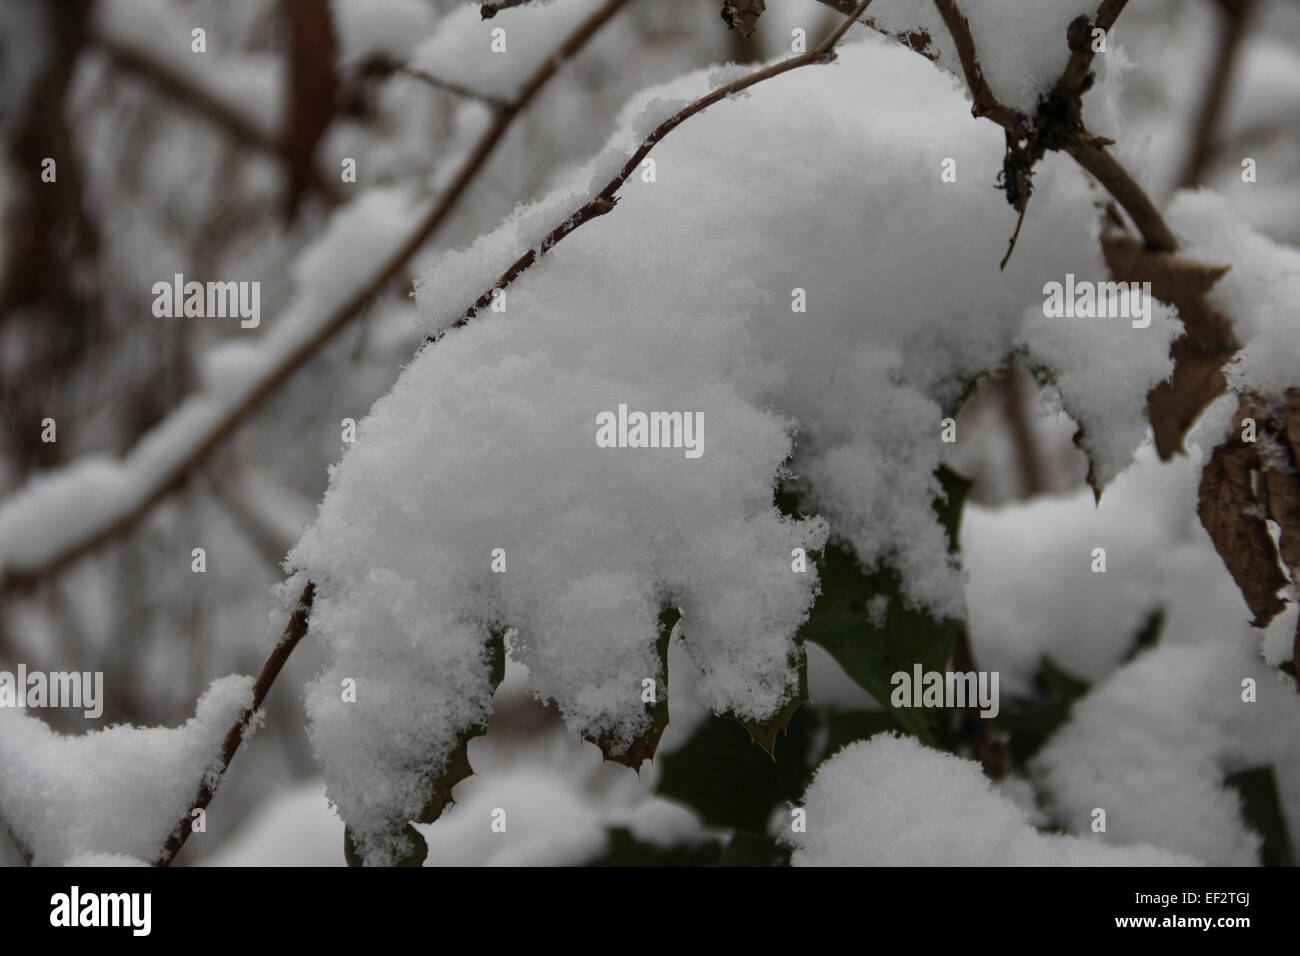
[(1120, 690)]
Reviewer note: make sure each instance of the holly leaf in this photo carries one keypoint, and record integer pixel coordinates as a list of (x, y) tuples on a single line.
[(864, 622), (643, 748), (754, 849), (764, 732), (730, 783), (1262, 811), (456, 769), (624, 848), (1030, 722)]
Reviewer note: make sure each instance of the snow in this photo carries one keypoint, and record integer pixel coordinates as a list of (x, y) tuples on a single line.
[(461, 48), (117, 791), (104, 859), (1153, 745), (1022, 51), (1103, 369), (61, 508), (390, 28), (681, 299), (1259, 292), (293, 827), (1033, 593), (890, 801), (249, 85)]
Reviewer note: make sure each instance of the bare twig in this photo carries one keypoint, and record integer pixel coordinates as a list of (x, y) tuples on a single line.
[(1216, 91), (171, 478), (986, 104), (293, 633), (1075, 77), (490, 9), (1057, 125), (1015, 386), (1107, 171), (605, 200), (447, 86)]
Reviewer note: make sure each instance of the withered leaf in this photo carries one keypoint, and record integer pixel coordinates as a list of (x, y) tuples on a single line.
[(743, 15), (1199, 354), (1231, 514), (1291, 404)]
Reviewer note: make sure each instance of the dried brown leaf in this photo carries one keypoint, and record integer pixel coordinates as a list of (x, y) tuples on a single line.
[(743, 15), (1199, 354), (1231, 514)]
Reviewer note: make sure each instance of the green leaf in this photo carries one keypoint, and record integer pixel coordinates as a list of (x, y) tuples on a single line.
[(764, 732), (644, 747), (624, 848), (754, 849), (732, 784), (1147, 634), (1262, 811), (871, 653), (843, 727), (1030, 721)]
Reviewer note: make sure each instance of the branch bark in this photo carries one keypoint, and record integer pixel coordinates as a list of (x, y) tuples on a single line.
[(294, 632), (1028, 136), (605, 200)]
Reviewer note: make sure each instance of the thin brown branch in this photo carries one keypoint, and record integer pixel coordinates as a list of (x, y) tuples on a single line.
[(294, 632), (986, 104), (605, 200), (455, 89), (1075, 77), (1107, 170), (489, 10), (1059, 127), (241, 127), (1016, 387), (292, 361), (1216, 91)]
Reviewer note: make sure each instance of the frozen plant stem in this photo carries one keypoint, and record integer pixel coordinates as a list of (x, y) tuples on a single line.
[(294, 632), (607, 198)]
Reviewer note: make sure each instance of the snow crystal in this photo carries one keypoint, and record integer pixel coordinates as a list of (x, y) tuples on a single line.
[(890, 801), (119, 790), (681, 299)]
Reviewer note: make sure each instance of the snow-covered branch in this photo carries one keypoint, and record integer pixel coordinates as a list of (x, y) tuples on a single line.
[(63, 516)]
